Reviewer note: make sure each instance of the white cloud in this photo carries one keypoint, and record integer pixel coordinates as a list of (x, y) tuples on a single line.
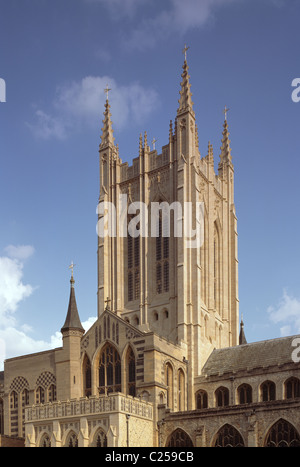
[(12, 289), (20, 252), (15, 339), (178, 18), (79, 105), (89, 323), (16, 342), (47, 126), (287, 313)]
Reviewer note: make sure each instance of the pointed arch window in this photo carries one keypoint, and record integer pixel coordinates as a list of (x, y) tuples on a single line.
[(45, 442), (268, 391), (292, 388), (109, 370), (72, 440), (216, 270), (229, 437), (245, 394), (179, 439), (283, 435), (201, 400), (222, 397), (100, 440)]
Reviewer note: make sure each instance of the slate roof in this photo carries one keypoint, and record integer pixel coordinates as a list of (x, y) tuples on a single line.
[(249, 356), (72, 319)]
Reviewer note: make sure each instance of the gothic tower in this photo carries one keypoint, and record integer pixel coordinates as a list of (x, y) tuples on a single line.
[(157, 282)]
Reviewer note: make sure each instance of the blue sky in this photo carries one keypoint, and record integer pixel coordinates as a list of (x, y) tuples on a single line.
[(56, 58)]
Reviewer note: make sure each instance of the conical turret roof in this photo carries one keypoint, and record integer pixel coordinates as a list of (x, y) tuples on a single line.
[(242, 337), (72, 319)]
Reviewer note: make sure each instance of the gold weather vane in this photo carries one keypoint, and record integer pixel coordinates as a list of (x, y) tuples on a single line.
[(106, 90), (185, 51), (153, 142), (225, 111), (72, 266)]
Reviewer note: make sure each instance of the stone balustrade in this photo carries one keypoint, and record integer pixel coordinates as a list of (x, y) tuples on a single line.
[(90, 406)]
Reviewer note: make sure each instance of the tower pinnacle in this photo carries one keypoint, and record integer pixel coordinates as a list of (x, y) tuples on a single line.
[(225, 157), (107, 138), (185, 101)]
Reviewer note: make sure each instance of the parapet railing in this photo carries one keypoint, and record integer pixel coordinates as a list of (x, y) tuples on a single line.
[(88, 406)]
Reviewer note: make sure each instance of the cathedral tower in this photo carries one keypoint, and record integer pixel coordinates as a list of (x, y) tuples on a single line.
[(159, 283)]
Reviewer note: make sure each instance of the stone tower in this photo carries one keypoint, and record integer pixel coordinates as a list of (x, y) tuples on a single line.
[(187, 295), (68, 365)]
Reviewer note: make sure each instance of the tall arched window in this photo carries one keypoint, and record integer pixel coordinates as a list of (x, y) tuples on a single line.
[(181, 390), (268, 391), (228, 436), (292, 388), (133, 265), (282, 435), (130, 370), (216, 270), (201, 400), (162, 258), (109, 370), (169, 384)]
